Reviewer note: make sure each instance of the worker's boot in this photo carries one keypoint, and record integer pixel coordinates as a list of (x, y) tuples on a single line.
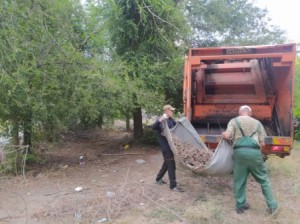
[(239, 210), (246, 206), (272, 211), (161, 182)]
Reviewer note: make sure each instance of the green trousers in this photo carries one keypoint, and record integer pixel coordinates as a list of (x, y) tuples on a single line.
[(247, 160)]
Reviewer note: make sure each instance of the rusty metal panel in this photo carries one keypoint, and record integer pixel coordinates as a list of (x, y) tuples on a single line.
[(230, 57), (233, 99), (240, 50), (228, 111)]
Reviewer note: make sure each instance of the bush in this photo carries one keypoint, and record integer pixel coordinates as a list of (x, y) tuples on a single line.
[(13, 162), (297, 129), (297, 134), (149, 137)]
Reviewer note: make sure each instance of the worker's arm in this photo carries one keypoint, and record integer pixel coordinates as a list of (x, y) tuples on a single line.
[(226, 135), (158, 125), (262, 144), (229, 133), (261, 136)]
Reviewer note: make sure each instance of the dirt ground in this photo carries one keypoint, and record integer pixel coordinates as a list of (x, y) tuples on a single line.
[(121, 188)]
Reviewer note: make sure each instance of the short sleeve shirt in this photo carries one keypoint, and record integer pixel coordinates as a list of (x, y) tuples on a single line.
[(249, 125)]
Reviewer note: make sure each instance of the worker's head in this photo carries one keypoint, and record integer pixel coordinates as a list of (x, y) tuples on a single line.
[(168, 109), (245, 111)]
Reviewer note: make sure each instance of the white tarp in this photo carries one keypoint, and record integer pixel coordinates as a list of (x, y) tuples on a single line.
[(219, 163)]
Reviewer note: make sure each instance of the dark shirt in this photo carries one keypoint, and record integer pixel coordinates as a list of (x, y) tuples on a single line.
[(163, 142)]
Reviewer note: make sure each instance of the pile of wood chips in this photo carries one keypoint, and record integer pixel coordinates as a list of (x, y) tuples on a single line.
[(195, 158)]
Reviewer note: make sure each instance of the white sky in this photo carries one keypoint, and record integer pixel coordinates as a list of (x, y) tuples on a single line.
[(285, 14)]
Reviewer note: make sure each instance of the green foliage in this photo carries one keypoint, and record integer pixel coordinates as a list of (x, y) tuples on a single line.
[(235, 22), (297, 134), (64, 65), (144, 28), (297, 98), (51, 77), (297, 89), (13, 160), (143, 35), (149, 137)]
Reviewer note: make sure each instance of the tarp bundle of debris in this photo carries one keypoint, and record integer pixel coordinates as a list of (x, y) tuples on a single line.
[(194, 154)]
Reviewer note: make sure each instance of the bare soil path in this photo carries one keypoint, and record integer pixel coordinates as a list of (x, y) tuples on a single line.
[(121, 188)]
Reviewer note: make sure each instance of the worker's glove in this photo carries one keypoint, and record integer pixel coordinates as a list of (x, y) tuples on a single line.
[(163, 117)]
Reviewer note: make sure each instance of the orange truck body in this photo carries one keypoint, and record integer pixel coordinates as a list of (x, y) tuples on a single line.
[(217, 81)]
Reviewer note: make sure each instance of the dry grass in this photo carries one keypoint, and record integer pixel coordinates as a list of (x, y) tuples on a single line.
[(216, 205), (205, 200)]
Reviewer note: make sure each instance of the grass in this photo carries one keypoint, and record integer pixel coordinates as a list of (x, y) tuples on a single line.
[(285, 180), (215, 205), (204, 212), (161, 215)]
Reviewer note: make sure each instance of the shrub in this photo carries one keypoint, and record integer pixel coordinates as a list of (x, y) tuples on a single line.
[(149, 137), (14, 159)]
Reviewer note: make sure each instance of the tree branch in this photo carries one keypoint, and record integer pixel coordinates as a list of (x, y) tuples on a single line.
[(153, 14)]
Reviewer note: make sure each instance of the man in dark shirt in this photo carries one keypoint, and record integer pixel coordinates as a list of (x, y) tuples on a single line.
[(169, 162)]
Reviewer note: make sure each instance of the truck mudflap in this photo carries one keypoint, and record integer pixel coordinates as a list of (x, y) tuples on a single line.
[(277, 145)]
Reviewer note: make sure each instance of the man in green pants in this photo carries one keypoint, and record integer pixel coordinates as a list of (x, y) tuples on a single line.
[(248, 136)]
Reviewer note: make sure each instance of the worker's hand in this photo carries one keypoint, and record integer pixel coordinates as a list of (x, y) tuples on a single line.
[(163, 117), (226, 135)]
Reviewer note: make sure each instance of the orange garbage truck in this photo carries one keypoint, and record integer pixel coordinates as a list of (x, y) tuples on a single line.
[(217, 81)]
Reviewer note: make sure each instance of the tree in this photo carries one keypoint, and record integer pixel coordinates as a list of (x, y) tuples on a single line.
[(143, 33), (230, 22), (50, 78)]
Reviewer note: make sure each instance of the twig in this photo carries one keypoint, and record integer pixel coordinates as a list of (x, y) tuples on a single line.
[(121, 154), (2, 171), (159, 17), (150, 199), (58, 185), (19, 146), (126, 178), (122, 188), (24, 161), (108, 210), (159, 30), (16, 160)]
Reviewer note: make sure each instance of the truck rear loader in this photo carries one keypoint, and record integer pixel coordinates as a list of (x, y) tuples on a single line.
[(217, 81)]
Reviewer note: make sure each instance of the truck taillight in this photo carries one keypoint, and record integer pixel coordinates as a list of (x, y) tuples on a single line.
[(278, 148)]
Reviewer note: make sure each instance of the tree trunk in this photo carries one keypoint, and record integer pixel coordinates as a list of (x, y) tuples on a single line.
[(27, 132), (137, 123), (127, 122), (100, 121), (15, 133)]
